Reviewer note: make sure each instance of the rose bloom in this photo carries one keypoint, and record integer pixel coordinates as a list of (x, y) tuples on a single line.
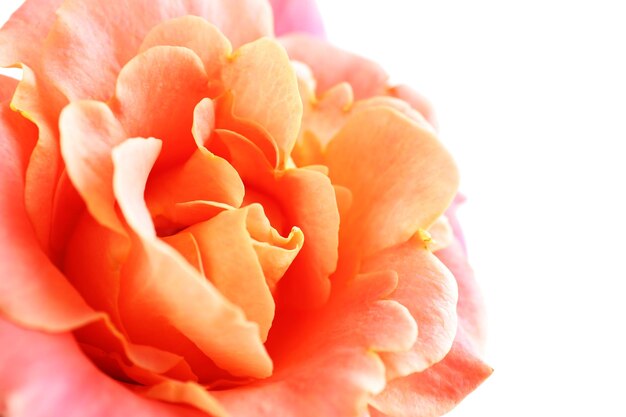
[(200, 218)]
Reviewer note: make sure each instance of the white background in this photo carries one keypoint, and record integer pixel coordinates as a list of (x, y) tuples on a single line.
[(531, 100)]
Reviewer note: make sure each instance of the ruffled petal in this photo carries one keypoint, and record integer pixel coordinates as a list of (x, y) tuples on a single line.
[(429, 292), (32, 291), (265, 91), (46, 375), (297, 16), (22, 36), (400, 176), (91, 40), (439, 388), (155, 96), (332, 66), (160, 290), (325, 363)]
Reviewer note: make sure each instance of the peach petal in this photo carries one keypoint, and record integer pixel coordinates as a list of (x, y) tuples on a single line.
[(40, 103), (196, 34), (307, 199), (232, 265), (326, 365), (89, 131), (187, 245), (429, 291), (32, 387), (32, 290), (416, 100), (23, 35), (401, 178), (441, 234), (436, 390), (91, 41), (158, 284), (204, 176), (187, 393), (7, 87), (203, 121), (270, 97), (155, 96), (366, 77)]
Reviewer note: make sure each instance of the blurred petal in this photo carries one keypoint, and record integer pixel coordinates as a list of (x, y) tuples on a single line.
[(332, 66), (400, 176), (297, 16), (46, 375), (22, 37), (91, 40), (429, 292)]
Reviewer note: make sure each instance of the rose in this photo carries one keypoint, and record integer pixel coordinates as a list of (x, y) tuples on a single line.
[(118, 229)]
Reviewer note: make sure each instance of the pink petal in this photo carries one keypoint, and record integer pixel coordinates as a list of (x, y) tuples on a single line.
[(297, 16), (46, 375)]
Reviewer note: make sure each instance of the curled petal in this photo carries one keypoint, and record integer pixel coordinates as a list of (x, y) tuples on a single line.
[(428, 290), (400, 176)]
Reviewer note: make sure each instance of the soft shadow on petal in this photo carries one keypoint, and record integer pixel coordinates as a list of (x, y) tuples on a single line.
[(326, 362), (400, 176), (429, 292), (65, 383)]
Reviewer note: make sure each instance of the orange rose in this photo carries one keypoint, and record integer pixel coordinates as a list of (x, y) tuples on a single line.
[(216, 219)]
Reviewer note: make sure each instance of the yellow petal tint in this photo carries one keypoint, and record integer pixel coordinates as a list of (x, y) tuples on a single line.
[(89, 131), (332, 66), (155, 96), (428, 290), (91, 40), (270, 97), (400, 176), (161, 290), (326, 363)]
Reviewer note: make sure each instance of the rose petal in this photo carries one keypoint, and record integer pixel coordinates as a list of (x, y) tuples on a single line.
[(400, 176), (22, 36), (297, 16), (232, 265), (364, 76), (89, 131), (7, 87), (325, 363), (198, 35), (269, 95), (91, 41), (429, 291), (32, 291), (158, 284), (47, 375), (155, 96), (436, 390)]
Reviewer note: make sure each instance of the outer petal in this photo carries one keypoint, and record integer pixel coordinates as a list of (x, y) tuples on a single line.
[(325, 362), (438, 389), (297, 16), (91, 40), (429, 291), (332, 66), (400, 176), (21, 38), (161, 290), (47, 375), (32, 291)]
